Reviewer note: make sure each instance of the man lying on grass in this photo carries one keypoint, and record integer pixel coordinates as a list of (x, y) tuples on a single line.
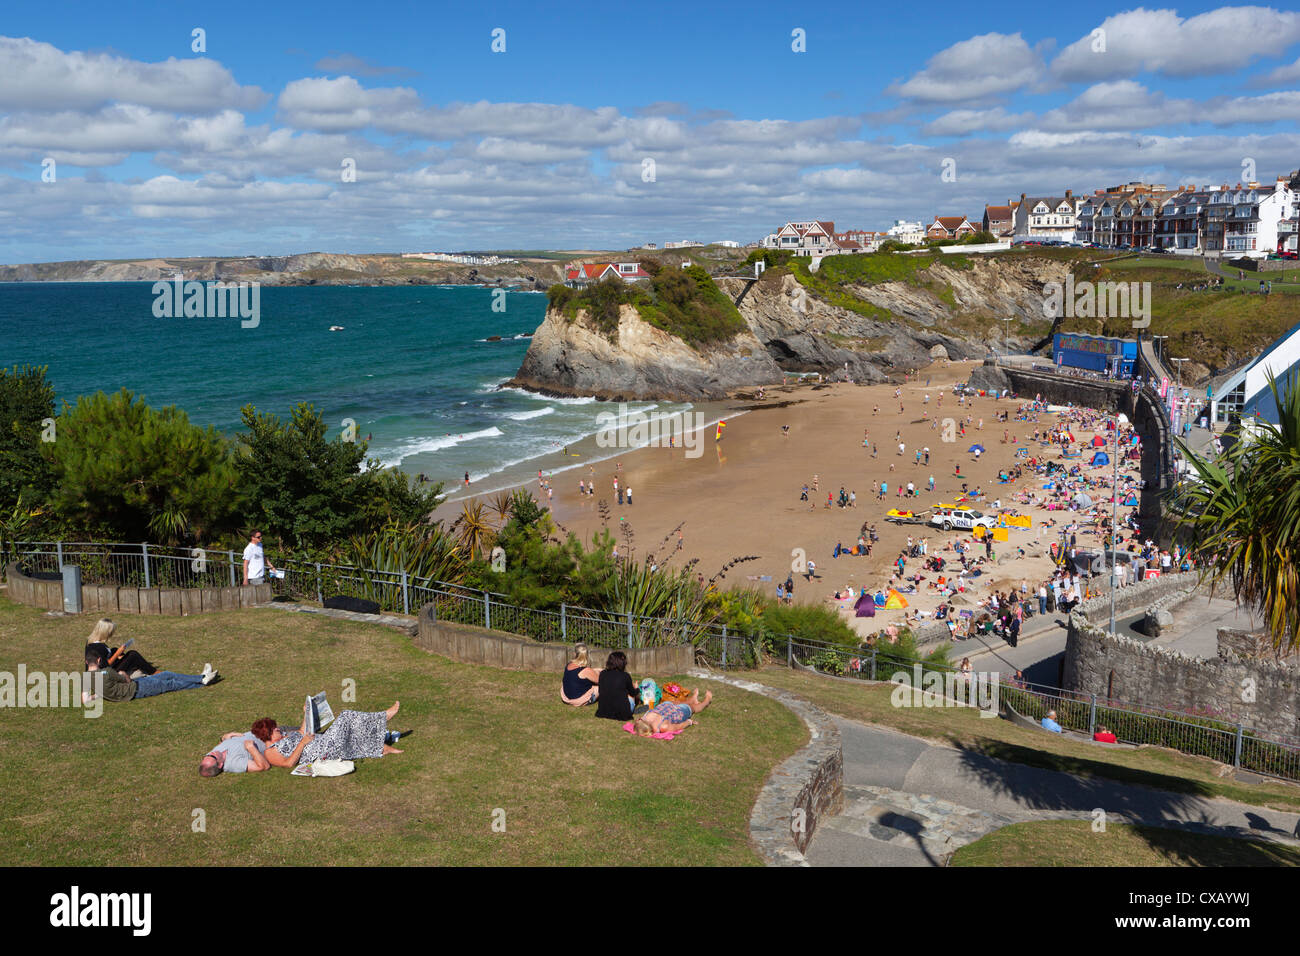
[(119, 687)]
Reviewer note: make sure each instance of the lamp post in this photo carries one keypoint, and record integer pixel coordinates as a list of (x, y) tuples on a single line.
[(1155, 340), (1180, 362)]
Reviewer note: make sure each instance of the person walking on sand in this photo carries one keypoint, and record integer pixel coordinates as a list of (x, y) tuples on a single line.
[(629, 496), (932, 483), (467, 479)]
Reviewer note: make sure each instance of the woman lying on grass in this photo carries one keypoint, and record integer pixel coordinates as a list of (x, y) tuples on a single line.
[(352, 736), (669, 717)]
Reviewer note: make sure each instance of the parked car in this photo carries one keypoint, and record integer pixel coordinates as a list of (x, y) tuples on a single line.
[(964, 519)]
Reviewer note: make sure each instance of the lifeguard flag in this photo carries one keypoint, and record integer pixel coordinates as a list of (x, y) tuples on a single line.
[(717, 435)]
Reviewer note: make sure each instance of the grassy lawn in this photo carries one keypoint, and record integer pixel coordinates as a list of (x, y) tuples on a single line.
[(123, 788), (1073, 843), (963, 728)]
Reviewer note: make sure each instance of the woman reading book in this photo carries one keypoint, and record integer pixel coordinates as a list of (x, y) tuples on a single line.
[(352, 736)]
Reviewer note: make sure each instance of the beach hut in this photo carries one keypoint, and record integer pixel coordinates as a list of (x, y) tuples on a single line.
[(895, 601), (1101, 458)]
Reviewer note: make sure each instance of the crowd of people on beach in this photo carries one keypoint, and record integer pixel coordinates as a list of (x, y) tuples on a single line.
[(1043, 448)]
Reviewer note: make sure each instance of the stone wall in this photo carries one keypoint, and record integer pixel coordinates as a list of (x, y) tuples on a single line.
[(109, 599), (1137, 597), (477, 645), (1263, 695), (803, 789)]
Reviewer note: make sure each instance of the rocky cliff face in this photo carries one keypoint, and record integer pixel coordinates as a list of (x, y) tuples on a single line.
[(957, 313), (953, 312), (573, 358)]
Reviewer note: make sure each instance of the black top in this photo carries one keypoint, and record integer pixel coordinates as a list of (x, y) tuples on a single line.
[(615, 688)]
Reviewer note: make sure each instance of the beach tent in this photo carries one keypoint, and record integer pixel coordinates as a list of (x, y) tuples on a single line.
[(1134, 441), (1101, 458), (973, 448), (865, 605), (1082, 500), (1098, 441), (895, 601), (1130, 501)]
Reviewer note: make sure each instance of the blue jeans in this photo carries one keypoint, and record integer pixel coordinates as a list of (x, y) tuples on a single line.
[(1042, 605), (164, 682)]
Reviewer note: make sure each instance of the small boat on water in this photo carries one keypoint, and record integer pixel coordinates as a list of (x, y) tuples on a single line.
[(336, 328)]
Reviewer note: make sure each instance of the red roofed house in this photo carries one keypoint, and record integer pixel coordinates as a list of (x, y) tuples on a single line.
[(950, 227), (1000, 220), (588, 272), (815, 238)]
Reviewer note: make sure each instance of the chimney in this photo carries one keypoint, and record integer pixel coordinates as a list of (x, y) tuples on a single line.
[(1022, 197), (1068, 194)]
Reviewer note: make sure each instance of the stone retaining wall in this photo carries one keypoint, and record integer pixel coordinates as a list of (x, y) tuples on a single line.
[(1263, 695), (804, 788), (478, 645), (1137, 597), (109, 599)]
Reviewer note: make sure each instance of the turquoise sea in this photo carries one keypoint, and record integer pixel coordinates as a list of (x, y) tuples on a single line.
[(411, 366)]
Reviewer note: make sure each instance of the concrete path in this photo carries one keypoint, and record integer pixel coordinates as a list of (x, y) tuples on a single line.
[(912, 803)]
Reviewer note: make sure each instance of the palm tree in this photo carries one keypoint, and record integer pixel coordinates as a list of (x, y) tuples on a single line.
[(475, 529), (1241, 511)]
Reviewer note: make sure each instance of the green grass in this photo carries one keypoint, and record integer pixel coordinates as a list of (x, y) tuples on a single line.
[(1153, 767), (121, 789), (1074, 843)]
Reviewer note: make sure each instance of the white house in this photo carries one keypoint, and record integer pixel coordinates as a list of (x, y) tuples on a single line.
[(1047, 217), (814, 238), (904, 231)]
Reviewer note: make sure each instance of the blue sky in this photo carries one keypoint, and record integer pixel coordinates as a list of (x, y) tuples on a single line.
[(160, 150)]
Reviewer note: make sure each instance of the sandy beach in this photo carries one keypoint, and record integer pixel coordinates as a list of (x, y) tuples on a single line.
[(741, 497)]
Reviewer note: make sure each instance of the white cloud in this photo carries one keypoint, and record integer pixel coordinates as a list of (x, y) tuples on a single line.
[(1160, 41), (1281, 76), (984, 66), (40, 76), (963, 122)]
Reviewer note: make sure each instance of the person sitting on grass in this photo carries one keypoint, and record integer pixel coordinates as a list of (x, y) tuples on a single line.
[(1102, 735), (670, 717), (1049, 723), (118, 687), (127, 663), (617, 693), (578, 684)]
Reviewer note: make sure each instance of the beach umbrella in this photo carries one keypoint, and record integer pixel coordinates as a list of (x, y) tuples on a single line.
[(978, 448)]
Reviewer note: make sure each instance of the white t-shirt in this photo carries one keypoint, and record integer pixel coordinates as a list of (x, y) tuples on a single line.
[(256, 560)]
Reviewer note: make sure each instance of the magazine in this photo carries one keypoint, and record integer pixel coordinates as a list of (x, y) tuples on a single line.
[(319, 715)]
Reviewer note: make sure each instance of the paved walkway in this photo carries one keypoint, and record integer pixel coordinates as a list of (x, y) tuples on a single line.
[(912, 803)]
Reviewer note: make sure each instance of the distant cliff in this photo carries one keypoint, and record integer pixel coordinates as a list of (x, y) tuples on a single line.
[(312, 268)]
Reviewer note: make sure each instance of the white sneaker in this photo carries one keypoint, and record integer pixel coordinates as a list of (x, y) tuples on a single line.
[(209, 675), (207, 669)]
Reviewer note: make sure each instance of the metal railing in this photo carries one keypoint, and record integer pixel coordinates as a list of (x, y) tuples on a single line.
[(1228, 743), (146, 565)]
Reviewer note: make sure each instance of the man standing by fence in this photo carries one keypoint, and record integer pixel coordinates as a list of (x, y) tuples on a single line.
[(255, 563)]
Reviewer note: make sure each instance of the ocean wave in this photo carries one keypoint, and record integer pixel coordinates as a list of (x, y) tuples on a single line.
[(535, 413), (422, 445)]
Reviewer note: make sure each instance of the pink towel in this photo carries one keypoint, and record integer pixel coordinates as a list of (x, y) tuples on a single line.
[(662, 735)]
